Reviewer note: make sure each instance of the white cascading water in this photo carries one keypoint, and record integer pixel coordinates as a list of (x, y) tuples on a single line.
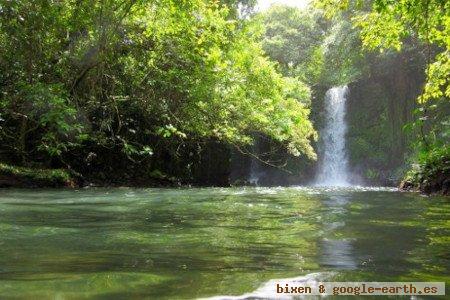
[(255, 170), (333, 167)]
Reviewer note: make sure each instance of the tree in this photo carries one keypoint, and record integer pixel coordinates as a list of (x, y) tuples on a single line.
[(387, 23), (293, 38), (134, 76)]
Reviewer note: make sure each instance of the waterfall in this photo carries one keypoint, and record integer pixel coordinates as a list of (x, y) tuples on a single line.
[(333, 167), (255, 169)]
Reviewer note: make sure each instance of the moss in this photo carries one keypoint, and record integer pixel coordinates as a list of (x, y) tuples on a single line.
[(34, 177)]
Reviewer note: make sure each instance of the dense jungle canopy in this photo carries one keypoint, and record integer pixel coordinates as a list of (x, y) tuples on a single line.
[(181, 91)]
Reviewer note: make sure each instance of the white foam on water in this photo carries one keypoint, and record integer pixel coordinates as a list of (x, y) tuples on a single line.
[(353, 188), (268, 289)]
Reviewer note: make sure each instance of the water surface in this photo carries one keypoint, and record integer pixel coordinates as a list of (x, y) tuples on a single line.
[(127, 243)]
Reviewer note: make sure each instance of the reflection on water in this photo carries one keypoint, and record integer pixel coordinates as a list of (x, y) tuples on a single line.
[(336, 253), (189, 243)]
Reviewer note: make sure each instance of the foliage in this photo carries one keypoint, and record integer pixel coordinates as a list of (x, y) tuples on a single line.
[(432, 170), (293, 37), (387, 23), (137, 75), (305, 44), (43, 177), (344, 58)]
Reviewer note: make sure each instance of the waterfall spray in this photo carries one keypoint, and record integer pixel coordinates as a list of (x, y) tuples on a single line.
[(333, 167)]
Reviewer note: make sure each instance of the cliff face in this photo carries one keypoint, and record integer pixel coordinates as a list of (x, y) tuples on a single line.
[(380, 104)]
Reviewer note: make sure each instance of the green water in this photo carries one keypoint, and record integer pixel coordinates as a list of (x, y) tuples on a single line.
[(187, 243)]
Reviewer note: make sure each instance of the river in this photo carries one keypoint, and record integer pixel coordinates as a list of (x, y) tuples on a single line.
[(122, 243)]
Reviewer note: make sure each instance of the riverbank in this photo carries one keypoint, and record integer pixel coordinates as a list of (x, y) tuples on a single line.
[(431, 175), (438, 184), (13, 176), (23, 177)]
